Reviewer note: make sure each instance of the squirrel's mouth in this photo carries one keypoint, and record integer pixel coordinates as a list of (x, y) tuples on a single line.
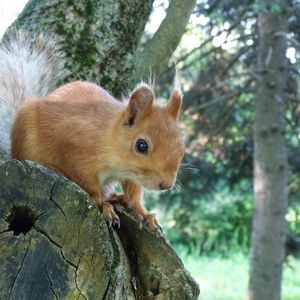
[(151, 183)]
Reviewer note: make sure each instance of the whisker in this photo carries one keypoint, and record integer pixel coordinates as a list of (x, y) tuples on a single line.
[(178, 188), (178, 185), (179, 182), (187, 166)]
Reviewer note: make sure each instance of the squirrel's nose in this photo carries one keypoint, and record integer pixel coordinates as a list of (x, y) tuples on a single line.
[(164, 186)]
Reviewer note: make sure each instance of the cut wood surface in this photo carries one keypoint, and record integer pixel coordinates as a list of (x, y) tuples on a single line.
[(55, 244)]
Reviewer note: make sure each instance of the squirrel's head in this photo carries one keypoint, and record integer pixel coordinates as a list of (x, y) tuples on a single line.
[(150, 141)]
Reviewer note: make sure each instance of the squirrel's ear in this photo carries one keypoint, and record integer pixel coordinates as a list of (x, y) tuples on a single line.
[(175, 100), (174, 103), (140, 102)]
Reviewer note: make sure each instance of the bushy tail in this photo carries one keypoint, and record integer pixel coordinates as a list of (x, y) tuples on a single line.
[(29, 67)]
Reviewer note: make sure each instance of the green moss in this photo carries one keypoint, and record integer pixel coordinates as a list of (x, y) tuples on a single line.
[(98, 38)]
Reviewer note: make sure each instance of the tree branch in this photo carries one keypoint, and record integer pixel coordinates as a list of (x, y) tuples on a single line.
[(159, 49)]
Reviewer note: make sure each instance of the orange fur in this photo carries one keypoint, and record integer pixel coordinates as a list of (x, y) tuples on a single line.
[(81, 131)]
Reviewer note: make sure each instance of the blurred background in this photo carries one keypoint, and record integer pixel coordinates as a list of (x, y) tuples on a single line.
[(208, 216)]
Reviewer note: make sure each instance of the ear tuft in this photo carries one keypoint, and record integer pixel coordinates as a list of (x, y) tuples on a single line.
[(175, 101), (140, 102)]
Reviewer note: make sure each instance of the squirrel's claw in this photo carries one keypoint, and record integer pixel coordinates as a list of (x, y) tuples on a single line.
[(116, 222), (109, 222), (142, 222), (159, 229), (149, 220), (109, 215), (113, 222)]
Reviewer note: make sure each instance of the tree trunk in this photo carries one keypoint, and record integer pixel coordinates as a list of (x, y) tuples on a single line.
[(98, 39), (55, 244), (270, 159)]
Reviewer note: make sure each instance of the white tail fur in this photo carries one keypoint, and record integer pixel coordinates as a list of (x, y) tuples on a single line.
[(29, 67)]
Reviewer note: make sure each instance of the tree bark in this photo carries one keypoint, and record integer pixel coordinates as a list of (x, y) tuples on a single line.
[(99, 39), (157, 51), (270, 158), (55, 244)]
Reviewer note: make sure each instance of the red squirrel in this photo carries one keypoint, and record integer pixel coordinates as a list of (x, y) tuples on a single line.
[(82, 132)]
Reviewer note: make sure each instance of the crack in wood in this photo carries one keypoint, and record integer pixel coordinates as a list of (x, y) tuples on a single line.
[(67, 260), (46, 235), (6, 230), (19, 270), (76, 283), (54, 202), (50, 281), (106, 289)]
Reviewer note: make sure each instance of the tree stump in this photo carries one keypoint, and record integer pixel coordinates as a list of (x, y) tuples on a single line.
[(55, 244)]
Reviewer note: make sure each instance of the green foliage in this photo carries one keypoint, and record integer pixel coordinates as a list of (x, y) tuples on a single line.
[(260, 7), (218, 222), (213, 210), (227, 278), (293, 214)]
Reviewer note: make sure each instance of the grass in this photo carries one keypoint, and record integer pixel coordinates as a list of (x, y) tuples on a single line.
[(227, 278)]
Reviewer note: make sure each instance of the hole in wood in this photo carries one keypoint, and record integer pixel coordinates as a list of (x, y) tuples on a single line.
[(21, 219)]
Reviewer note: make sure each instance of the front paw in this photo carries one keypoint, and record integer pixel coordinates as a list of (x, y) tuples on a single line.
[(148, 218), (110, 215)]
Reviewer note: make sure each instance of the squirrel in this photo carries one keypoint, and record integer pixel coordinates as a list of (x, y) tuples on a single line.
[(82, 132)]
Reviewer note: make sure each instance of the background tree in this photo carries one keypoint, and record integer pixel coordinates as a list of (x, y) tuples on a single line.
[(220, 76), (270, 159)]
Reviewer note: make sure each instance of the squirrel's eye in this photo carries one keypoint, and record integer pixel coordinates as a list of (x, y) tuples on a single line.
[(141, 146)]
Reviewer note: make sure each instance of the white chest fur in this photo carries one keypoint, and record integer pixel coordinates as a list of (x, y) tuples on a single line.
[(108, 182), (105, 178)]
